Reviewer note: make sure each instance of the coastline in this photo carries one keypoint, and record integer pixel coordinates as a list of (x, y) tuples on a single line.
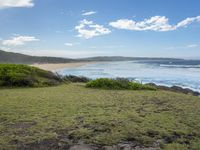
[(57, 66)]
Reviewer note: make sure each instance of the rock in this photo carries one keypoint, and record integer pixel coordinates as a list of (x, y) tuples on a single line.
[(125, 146), (186, 91), (175, 89), (81, 147), (149, 148), (110, 148)]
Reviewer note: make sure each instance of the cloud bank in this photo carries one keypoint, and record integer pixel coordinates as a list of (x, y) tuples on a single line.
[(88, 29), (156, 23), (19, 40)]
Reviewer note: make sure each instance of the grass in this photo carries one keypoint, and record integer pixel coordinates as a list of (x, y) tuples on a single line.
[(16, 75), (58, 117)]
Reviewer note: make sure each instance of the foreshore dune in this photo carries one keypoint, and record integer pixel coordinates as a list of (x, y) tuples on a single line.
[(57, 66)]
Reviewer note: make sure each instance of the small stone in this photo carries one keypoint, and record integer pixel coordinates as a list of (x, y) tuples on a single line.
[(81, 147)]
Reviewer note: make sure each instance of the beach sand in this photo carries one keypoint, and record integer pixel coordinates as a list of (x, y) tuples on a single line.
[(53, 67)]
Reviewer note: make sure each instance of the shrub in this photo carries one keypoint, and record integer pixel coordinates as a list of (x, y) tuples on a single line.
[(118, 84), (23, 75), (72, 78)]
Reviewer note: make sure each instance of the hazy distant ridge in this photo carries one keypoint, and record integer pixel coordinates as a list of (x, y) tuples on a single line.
[(10, 57)]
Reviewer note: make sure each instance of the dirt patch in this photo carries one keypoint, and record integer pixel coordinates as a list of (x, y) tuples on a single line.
[(3, 119), (126, 145), (180, 138), (82, 146), (53, 144), (158, 102), (48, 144), (23, 124), (65, 142)]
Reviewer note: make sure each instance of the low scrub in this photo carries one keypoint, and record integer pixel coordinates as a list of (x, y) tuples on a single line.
[(118, 84), (23, 76), (72, 78)]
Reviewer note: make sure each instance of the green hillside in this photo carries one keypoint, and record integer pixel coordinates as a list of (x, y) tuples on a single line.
[(75, 117), (12, 75)]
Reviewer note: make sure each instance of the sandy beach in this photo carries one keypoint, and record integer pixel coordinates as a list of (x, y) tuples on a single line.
[(53, 67)]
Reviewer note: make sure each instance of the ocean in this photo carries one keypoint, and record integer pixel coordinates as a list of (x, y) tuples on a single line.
[(185, 74)]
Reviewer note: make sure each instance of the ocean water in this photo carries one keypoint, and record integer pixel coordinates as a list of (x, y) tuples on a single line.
[(186, 75)]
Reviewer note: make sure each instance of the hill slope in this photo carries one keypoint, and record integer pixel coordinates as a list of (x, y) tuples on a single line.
[(23, 75), (10, 57), (68, 116)]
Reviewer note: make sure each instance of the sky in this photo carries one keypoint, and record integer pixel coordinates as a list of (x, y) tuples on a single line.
[(86, 28)]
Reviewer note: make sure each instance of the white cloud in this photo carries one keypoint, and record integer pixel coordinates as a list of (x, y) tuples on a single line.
[(87, 29), (71, 44), (89, 13), (156, 23), (19, 40), (192, 46), (16, 3), (188, 21), (182, 47)]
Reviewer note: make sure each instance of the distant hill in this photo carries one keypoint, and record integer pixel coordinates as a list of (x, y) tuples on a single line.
[(121, 58), (17, 58), (152, 60)]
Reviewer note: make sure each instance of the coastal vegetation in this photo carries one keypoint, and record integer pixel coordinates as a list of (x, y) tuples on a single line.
[(12, 75), (118, 84)]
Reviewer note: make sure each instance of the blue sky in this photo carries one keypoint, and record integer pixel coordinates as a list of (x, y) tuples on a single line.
[(84, 28)]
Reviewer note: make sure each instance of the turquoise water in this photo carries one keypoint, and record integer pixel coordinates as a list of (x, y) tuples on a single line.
[(184, 75)]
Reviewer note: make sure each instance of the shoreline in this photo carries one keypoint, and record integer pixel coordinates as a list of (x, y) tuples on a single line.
[(57, 66)]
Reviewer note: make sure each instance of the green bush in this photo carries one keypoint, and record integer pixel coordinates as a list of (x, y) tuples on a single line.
[(23, 75), (118, 84)]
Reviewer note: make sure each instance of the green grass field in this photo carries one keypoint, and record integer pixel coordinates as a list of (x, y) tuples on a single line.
[(62, 116)]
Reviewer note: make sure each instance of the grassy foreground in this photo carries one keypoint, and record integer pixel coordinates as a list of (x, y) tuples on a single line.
[(62, 116)]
